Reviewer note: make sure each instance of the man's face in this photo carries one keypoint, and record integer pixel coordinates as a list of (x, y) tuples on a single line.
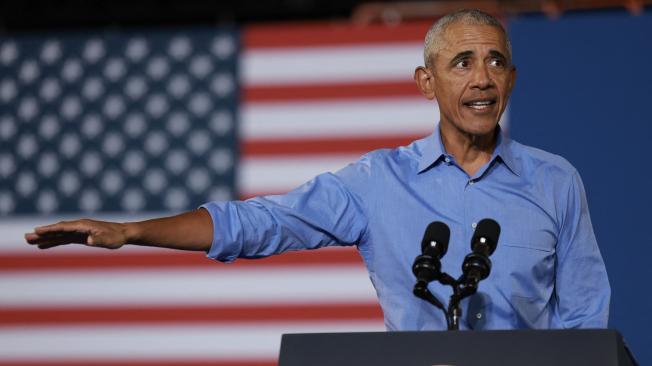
[(472, 78)]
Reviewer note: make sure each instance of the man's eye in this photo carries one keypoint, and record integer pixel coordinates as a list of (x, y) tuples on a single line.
[(462, 64), (497, 62)]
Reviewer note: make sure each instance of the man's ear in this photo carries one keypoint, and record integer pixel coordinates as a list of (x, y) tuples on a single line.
[(425, 82)]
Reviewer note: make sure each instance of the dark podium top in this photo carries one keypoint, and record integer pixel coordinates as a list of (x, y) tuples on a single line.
[(458, 348)]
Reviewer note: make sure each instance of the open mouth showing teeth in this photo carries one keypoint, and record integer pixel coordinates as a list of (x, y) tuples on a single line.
[(480, 104)]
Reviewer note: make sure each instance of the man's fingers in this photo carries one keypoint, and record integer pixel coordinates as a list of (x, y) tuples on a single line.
[(63, 226), (56, 238), (55, 242), (31, 238), (50, 244), (59, 226), (34, 238)]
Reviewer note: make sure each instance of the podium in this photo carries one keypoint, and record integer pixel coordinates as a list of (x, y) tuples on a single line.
[(597, 347)]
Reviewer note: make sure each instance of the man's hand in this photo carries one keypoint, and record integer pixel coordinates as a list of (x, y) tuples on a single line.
[(93, 233), (188, 231)]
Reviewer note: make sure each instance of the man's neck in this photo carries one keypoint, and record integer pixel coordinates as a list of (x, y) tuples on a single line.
[(471, 152)]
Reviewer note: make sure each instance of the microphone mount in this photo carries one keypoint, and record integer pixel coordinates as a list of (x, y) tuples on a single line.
[(475, 268), (461, 290)]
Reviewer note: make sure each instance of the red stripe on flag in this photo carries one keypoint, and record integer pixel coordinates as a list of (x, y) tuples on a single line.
[(346, 91), (318, 146), (288, 35), (190, 314), (122, 260)]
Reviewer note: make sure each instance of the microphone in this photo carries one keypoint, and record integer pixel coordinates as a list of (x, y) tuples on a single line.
[(485, 237), (434, 245), (477, 266)]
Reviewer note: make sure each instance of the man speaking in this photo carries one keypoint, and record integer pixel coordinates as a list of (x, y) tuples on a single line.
[(547, 270)]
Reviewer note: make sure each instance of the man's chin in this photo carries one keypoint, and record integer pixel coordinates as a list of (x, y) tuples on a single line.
[(472, 125), (480, 127)]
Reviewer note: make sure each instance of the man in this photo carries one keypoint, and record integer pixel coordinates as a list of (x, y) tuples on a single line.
[(547, 270)]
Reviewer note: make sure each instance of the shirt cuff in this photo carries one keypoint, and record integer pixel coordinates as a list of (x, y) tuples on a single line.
[(222, 249)]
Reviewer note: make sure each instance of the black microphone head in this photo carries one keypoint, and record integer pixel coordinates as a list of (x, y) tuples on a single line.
[(486, 232), (435, 239)]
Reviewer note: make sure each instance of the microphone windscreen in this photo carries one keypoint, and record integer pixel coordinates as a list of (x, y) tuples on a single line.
[(438, 233), (488, 229)]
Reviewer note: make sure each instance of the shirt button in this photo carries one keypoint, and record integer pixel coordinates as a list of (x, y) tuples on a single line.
[(473, 225), (447, 160), (478, 316), (471, 182)]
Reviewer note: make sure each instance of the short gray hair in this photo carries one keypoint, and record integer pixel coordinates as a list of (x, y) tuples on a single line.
[(433, 40)]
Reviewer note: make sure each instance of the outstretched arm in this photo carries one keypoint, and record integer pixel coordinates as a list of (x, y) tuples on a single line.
[(188, 231)]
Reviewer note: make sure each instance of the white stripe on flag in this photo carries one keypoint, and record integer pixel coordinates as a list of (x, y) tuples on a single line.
[(326, 284), (69, 343), (331, 64), (379, 116)]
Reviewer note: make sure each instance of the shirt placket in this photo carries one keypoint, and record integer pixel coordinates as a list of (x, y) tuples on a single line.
[(468, 220)]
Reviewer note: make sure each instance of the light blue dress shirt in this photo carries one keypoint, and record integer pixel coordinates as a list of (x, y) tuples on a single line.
[(547, 269)]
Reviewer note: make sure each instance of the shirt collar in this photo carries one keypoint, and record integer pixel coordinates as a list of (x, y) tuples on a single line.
[(434, 151), (505, 151)]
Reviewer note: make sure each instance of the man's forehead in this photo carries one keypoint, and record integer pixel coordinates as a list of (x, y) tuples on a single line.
[(460, 37)]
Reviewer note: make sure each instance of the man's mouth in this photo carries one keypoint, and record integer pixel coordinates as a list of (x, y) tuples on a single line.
[(480, 104)]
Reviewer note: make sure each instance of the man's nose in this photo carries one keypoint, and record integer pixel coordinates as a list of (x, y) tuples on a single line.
[(481, 77)]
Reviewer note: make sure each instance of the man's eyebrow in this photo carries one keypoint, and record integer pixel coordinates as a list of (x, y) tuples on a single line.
[(497, 54), (460, 56)]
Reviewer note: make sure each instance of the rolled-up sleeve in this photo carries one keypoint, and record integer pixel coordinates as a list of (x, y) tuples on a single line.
[(321, 212), (582, 286)]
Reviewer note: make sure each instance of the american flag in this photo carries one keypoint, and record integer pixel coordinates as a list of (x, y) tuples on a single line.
[(124, 125)]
